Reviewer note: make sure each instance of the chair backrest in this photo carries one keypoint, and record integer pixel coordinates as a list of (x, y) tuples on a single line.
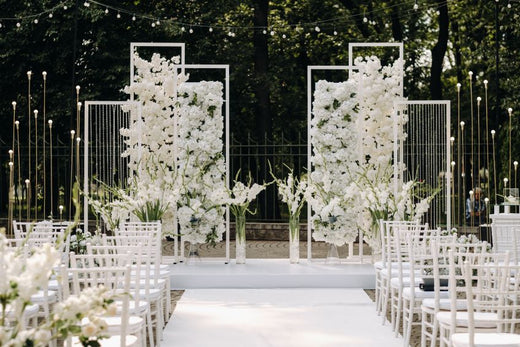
[(506, 238), (386, 228), (496, 290), (115, 279)]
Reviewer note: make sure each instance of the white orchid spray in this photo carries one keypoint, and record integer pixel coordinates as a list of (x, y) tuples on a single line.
[(239, 198), (292, 192)]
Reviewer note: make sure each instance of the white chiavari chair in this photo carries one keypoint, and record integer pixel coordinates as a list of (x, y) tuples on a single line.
[(123, 330), (456, 321), (430, 307), (495, 292)]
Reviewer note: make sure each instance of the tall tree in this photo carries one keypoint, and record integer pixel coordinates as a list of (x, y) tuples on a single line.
[(439, 50)]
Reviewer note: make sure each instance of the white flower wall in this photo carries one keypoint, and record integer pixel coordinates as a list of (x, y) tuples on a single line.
[(352, 133), (201, 163), (176, 147)]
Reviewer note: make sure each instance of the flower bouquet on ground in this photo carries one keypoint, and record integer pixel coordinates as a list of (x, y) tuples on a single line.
[(238, 199), (292, 193)]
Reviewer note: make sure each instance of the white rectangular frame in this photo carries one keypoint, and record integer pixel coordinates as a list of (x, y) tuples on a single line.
[(310, 70), (86, 147), (224, 67), (398, 150)]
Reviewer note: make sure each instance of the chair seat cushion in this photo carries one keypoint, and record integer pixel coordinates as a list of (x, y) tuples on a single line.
[(487, 339), (394, 282), (378, 265), (482, 319), (421, 294), (445, 304)]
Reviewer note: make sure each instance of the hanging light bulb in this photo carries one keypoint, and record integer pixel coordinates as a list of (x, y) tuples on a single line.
[(50, 15), (65, 7), (18, 24), (210, 29), (106, 10), (317, 29), (191, 31), (272, 32), (133, 17), (183, 29), (509, 4), (365, 19), (118, 15), (158, 22), (335, 33), (153, 24), (416, 6), (86, 4), (264, 32), (36, 21), (284, 36)]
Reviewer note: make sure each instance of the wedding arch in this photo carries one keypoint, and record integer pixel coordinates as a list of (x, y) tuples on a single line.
[(133, 142), (382, 138)]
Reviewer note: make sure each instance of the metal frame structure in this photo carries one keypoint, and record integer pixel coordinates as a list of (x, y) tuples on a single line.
[(348, 68), (87, 140), (224, 67), (399, 148)]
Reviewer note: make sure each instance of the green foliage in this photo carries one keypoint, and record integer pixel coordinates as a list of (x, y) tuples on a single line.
[(87, 47)]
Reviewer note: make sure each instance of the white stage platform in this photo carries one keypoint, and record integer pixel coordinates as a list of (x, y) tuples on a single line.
[(271, 273), (277, 318)]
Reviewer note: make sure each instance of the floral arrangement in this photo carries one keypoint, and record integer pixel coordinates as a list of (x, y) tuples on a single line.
[(238, 199), (79, 240), (352, 135), (21, 276), (201, 164), (151, 148)]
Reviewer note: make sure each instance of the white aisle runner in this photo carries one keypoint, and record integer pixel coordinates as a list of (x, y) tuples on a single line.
[(276, 317)]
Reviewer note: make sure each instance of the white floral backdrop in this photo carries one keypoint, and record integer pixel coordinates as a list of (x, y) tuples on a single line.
[(352, 134)]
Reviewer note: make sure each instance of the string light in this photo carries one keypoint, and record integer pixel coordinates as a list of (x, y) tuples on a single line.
[(272, 32), (317, 29), (18, 24), (284, 36), (153, 24), (36, 21), (191, 30), (322, 24)]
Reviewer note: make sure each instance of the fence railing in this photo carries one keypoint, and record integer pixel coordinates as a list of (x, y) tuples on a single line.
[(260, 158)]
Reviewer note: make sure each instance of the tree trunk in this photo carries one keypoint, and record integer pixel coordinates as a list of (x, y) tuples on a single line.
[(264, 124), (439, 50)]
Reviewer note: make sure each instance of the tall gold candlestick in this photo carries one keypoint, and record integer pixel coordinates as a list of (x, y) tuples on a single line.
[(479, 99), (510, 111), (17, 124), (459, 148), (44, 74), (29, 74), (472, 138), (35, 165), (50, 169), (77, 146), (463, 173), (72, 133), (487, 137), (494, 166)]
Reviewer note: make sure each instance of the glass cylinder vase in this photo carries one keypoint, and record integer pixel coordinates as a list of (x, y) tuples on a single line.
[(332, 255), (193, 254), (240, 227), (294, 239)]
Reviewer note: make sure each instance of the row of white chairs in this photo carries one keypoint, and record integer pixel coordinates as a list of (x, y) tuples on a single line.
[(134, 251), (415, 258)]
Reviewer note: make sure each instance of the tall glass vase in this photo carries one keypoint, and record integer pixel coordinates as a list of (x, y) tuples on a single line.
[(294, 239), (332, 255), (240, 227)]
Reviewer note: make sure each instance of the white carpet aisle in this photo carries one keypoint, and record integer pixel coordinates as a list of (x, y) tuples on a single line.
[(276, 317)]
